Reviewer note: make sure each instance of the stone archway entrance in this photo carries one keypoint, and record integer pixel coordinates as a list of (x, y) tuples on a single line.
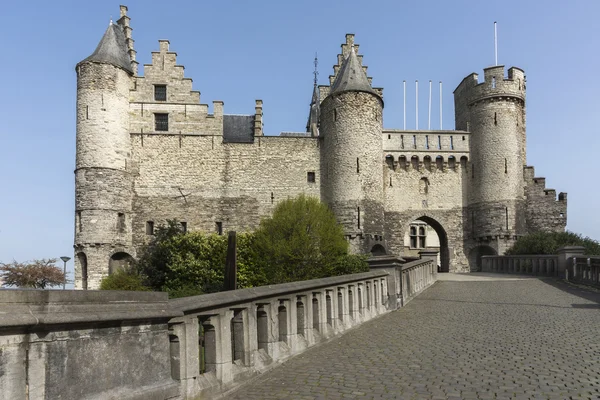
[(119, 261), (418, 236), (475, 256)]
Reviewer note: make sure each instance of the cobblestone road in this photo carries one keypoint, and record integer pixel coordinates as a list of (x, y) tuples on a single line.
[(489, 339)]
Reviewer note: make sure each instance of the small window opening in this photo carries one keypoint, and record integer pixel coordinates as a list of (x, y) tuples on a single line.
[(149, 227), (495, 118), (161, 122), (390, 181), (358, 218), (562, 215), (467, 129), (473, 171), (272, 198), (401, 141), (183, 226), (87, 112), (414, 141), (121, 222), (357, 165), (389, 136), (427, 141), (493, 82), (506, 212), (439, 142), (310, 177), (505, 166), (78, 222), (160, 92), (219, 226), (451, 142)]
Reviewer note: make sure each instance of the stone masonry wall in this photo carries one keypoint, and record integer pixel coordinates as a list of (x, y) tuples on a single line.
[(543, 211), (202, 181)]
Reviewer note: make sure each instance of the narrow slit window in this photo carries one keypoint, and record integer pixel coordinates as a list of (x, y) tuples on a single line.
[(357, 165), (160, 92), (505, 166), (219, 226), (439, 142), (149, 227), (494, 82), (401, 141), (358, 218), (495, 118), (427, 141), (389, 136), (87, 112), (414, 141), (121, 222), (472, 171), (506, 211), (390, 181), (451, 142)]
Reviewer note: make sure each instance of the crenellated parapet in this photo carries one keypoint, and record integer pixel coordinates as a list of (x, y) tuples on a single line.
[(544, 210)]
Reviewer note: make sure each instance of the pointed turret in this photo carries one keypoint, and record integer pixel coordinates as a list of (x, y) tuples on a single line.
[(352, 77), (112, 49), (313, 118)]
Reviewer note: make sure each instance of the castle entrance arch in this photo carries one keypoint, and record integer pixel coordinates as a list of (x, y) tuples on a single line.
[(118, 261), (426, 233), (475, 256)]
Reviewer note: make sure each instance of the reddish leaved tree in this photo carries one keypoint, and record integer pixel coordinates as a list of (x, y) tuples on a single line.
[(37, 274)]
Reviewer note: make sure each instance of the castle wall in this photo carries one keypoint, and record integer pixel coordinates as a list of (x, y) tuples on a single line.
[(202, 181), (543, 211)]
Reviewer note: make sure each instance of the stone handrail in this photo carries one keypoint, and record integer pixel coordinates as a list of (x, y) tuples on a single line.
[(225, 338), (415, 277), (140, 345), (584, 270), (533, 264)]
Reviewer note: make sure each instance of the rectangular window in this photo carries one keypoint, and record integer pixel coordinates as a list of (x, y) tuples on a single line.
[(149, 227), (160, 92), (310, 177), (161, 122), (183, 226), (219, 228)]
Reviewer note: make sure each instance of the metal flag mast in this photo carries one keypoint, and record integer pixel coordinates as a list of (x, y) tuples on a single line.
[(496, 43)]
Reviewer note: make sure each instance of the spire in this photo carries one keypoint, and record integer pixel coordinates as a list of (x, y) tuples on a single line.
[(112, 49), (352, 77), (315, 104)]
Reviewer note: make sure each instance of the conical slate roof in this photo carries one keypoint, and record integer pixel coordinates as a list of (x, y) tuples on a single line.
[(112, 49), (351, 77)]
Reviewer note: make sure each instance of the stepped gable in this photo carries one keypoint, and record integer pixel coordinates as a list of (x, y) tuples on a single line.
[(112, 49), (352, 77)]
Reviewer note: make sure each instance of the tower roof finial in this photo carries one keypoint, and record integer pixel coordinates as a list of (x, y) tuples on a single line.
[(316, 71)]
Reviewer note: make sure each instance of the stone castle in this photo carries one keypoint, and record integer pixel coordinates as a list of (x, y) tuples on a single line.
[(149, 151)]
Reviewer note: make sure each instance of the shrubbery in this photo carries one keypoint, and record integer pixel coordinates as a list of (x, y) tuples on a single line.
[(302, 240), (123, 279), (550, 242)]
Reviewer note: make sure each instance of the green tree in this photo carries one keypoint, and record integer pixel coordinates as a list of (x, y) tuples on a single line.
[(37, 274), (550, 242), (302, 240)]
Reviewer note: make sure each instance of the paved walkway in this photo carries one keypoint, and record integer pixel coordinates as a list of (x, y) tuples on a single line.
[(468, 337)]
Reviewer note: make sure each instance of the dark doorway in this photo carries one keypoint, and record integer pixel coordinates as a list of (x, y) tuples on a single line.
[(378, 250), (443, 238), (119, 261), (475, 256)]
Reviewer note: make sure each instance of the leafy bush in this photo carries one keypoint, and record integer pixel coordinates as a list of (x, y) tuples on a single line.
[(550, 242), (123, 279)]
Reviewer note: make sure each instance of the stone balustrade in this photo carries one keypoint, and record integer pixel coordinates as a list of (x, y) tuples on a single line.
[(224, 338), (137, 345), (584, 270), (539, 265)]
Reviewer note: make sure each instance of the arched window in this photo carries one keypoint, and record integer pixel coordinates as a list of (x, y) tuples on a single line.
[(452, 163), (422, 237), (413, 237), (427, 163), (415, 162), (402, 162), (439, 163)]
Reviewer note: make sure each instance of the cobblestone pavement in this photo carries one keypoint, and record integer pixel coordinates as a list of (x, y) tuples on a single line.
[(460, 339)]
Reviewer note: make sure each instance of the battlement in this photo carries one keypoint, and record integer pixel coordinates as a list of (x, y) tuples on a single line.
[(494, 85)]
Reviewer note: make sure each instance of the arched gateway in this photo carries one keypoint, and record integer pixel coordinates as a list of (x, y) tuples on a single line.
[(443, 238)]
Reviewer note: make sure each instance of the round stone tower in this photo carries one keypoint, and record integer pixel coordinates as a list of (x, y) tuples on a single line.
[(103, 181), (494, 112), (352, 155)]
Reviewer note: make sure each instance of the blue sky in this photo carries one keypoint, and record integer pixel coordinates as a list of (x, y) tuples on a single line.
[(239, 51)]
